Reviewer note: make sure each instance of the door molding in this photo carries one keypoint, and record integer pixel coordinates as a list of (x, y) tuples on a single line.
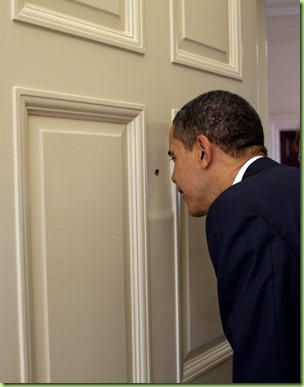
[(277, 124), (203, 53), (202, 359), (29, 101), (129, 36)]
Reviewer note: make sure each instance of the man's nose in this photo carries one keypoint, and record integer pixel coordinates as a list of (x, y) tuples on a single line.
[(172, 178), (172, 170)]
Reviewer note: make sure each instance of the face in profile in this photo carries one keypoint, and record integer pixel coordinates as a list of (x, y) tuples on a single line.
[(188, 176)]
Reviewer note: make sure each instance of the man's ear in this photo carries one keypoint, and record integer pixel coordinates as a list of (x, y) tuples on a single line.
[(204, 150)]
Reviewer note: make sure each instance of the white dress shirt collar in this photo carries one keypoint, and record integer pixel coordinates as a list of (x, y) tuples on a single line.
[(241, 172)]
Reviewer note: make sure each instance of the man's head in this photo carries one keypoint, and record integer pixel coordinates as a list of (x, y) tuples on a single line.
[(210, 139), (226, 119)]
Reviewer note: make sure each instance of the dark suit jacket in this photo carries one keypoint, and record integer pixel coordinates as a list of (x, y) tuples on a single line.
[(253, 234)]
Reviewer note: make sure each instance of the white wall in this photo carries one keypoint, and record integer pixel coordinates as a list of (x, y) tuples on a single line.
[(283, 41), (283, 57)]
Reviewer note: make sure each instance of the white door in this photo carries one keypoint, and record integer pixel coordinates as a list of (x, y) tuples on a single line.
[(104, 277)]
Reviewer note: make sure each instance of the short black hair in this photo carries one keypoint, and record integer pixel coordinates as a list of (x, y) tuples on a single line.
[(226, 119)]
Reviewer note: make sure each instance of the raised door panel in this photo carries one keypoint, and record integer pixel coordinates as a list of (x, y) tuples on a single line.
[(203, 343), (202, 347), (78, 252), (207, 35), (82, 254), (114, 22)]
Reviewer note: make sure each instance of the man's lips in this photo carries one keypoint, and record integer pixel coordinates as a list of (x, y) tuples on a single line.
[(182, 193)]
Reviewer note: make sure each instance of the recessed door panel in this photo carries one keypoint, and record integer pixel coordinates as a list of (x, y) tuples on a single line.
[(78, 252)]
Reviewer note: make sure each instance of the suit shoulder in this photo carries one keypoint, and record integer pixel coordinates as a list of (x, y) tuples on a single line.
[(264, 193)]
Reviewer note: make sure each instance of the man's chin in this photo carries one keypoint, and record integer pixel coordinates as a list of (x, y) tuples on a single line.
[(193, 210), (196, 212)]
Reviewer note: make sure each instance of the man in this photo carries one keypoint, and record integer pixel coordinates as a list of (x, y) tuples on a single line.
[(252, 205)]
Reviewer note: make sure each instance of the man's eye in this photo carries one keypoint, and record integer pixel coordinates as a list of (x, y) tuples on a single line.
[(171, 155)]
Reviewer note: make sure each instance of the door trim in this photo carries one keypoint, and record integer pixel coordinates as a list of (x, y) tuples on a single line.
[(29, 101), (130, 37), (277, 124)]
